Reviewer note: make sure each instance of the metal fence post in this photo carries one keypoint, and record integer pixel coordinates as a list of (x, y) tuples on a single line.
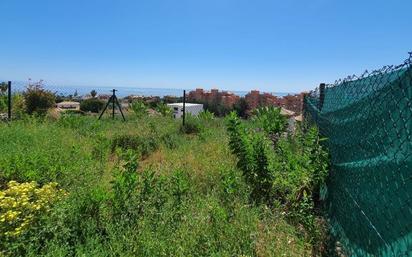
[(321, 95), (184, 106), (9, 100), (113, 96)]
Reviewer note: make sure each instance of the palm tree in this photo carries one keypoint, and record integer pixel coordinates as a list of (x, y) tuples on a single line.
[(93, 93)]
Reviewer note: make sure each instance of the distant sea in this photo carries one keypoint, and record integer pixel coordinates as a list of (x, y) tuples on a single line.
[(125, 91)]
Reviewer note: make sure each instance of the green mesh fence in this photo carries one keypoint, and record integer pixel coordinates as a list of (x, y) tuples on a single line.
[(368, 123)]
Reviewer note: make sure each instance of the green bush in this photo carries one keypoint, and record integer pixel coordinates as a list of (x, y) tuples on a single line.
[(125, 187), (18, 106), (270, 120), (3, 88), (38, 100), (143, 145), (3, 103), (93, 105), (164, 110), (139, 108), (288, 172), (254, 159), (206, 115)]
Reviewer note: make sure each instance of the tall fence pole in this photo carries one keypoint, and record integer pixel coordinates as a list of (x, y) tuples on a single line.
[(9, 100), (113, 98), (184, 106), (304, 98), (321, 95)]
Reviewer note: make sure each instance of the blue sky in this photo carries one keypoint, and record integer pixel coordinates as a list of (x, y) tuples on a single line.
[(278, 46)]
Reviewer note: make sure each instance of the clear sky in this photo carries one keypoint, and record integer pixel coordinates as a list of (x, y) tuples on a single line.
[(271, 45)]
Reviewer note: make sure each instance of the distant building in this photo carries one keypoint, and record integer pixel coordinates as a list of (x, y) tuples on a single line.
[(225, 98), (293, 103), (254, 99), (66, 105), (193, 109), (171, 99), (104, 97)]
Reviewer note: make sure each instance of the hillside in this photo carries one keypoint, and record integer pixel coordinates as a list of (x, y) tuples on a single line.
[(135, 188)]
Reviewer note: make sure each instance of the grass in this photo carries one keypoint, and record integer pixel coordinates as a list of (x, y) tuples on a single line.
[(188, 197)]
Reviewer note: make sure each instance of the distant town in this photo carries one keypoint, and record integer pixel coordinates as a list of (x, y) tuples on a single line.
[(219, 102), (252, 100)]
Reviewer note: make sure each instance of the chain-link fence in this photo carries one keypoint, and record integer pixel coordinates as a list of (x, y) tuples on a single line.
[(368, 123)]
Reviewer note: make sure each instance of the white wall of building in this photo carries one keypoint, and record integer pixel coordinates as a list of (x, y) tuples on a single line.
[(193, 109)]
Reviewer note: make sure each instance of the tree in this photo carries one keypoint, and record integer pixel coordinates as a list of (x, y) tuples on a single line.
[(93, 93), (241, 108), (37, 99)]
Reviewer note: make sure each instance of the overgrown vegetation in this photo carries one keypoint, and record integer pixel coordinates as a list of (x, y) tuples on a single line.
[(37, 99), (164, 110), (285, 173), (270, 120), (192, 125), (144, 188), (21, 205), (3, 97), (139, 108)]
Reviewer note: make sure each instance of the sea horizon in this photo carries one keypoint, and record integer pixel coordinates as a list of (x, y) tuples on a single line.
[(123, 91)]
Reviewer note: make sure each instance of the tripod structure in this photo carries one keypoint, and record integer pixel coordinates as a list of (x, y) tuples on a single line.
[(113, 99)]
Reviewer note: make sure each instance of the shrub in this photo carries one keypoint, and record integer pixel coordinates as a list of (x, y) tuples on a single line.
[(3, 88), (93, 105), (206, 115), (163, 109), (3, 97), (20, 206), (37, 99), (139, 108), (254, 158), (125, 186), (18, 105), (288, 172), (3, 103), (270, 120)]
